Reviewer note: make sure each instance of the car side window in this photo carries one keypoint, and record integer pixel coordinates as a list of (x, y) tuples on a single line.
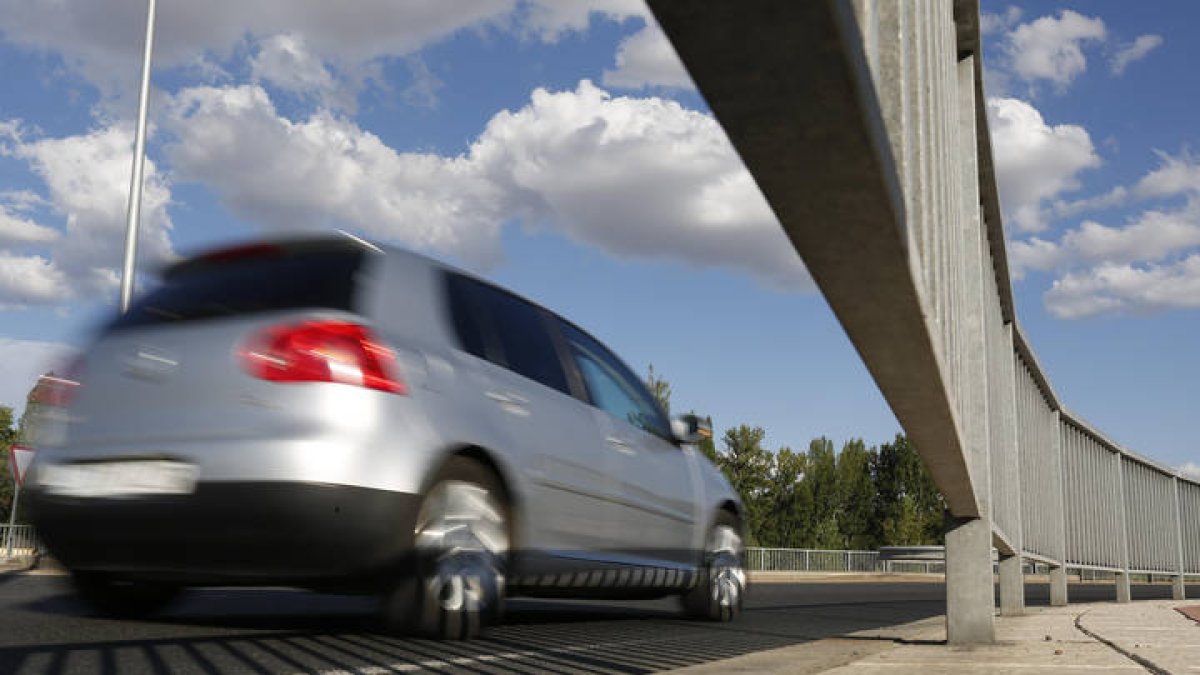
[(466, 315), (505, 330), (611, 386)]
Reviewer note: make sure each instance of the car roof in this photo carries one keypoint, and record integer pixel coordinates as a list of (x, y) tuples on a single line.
[(340, 240)]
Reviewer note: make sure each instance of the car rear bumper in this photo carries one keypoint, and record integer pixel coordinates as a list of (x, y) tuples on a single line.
[(289, 533)]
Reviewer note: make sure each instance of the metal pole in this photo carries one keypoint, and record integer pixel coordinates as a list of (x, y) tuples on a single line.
[(12, 519), (139, 159)]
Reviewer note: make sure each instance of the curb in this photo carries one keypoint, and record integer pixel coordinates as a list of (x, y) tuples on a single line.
[(18, 565), (1138, 659)]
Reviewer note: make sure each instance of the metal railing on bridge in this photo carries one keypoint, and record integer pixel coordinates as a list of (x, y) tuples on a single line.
[(18, 541), (865, 126), (835, 561), (811, 560), (1056, 490)]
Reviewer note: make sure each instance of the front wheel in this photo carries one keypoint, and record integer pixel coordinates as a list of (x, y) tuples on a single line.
[(720, 590), (461, 542)]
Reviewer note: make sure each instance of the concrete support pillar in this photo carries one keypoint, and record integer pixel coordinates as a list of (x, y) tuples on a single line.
[(1178, 588), (1012, 586), (1058, 586), (1123, 592), (970, 590)]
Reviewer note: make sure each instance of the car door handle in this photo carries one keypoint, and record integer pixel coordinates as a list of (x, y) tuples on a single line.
[(620, 444), (507, 397), (512, 403)]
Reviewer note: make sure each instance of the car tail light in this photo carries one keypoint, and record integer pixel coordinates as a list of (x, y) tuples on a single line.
[(321, 351), (57, 388)]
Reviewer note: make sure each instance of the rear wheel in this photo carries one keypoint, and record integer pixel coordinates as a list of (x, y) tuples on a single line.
[(720, 590), (461, 541), (115, 597)]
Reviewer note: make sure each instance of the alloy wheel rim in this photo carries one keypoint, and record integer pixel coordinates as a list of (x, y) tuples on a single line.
[(728, 578), (462, 532)]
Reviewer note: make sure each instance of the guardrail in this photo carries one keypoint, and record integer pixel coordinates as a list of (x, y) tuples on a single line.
[(811, 560), (760, 559), (1051, 488), (885, 100), (18, 540), (909, 560)]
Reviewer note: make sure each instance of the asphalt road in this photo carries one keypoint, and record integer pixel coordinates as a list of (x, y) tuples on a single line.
[(43, 629)]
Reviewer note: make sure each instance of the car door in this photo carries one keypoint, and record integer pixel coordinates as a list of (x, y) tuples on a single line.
[(655, 514), (551, 435)]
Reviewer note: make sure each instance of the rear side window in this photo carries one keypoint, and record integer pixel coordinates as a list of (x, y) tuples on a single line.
[(311, 279), (506, 330)]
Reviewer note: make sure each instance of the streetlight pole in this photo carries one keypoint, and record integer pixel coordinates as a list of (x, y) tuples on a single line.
[(133, 215)]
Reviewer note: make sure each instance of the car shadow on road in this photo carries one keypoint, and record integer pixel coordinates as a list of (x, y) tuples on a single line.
[(270, 631)]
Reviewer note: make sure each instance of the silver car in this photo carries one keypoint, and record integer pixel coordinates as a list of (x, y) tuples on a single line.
[(329, 414)]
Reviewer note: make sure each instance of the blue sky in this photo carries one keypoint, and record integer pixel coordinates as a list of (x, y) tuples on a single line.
[(560, 149)]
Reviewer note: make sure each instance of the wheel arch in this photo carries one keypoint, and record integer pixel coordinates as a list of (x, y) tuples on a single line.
[(505, 476), (733, 508)]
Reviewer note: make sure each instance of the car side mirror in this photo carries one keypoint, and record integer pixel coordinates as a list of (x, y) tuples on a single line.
[(690, 428)]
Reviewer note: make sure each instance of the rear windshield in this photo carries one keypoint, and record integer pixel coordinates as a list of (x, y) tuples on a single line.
[(316, 279)]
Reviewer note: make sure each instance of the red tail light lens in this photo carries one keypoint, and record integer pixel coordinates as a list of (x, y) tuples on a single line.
[(322, 351), (57, 388)]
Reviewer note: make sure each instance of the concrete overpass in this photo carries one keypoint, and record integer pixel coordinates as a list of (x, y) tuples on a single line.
[(863, 122)]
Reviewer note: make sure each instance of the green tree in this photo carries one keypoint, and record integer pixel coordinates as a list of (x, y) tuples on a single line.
[(789, 508), (660, 388), (823, 482), (908, 506), (856, 492), (8, 436), (748, 466)]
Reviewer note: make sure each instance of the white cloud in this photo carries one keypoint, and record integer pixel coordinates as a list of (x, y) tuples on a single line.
[(1033, 253), (638, 177), (21, 363), (1049, 48), (284, 61), (1134, 51), (1190, 470), (1114, 197), (1153, 236), (551, 19), (1174, 176), (647, 59), (1127, 289), (97, 39), (326, 171), (423, 90), (990, 23), (1034, 161), (1149, 264), (30, 280), (18, 231), (87, 181)]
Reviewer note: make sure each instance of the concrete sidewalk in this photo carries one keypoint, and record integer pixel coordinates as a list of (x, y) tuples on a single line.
[(17, 563), (1140, 637)]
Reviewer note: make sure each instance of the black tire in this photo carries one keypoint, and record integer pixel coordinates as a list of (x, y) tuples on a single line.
[(721, 586), (118, 598), (454, 589)]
